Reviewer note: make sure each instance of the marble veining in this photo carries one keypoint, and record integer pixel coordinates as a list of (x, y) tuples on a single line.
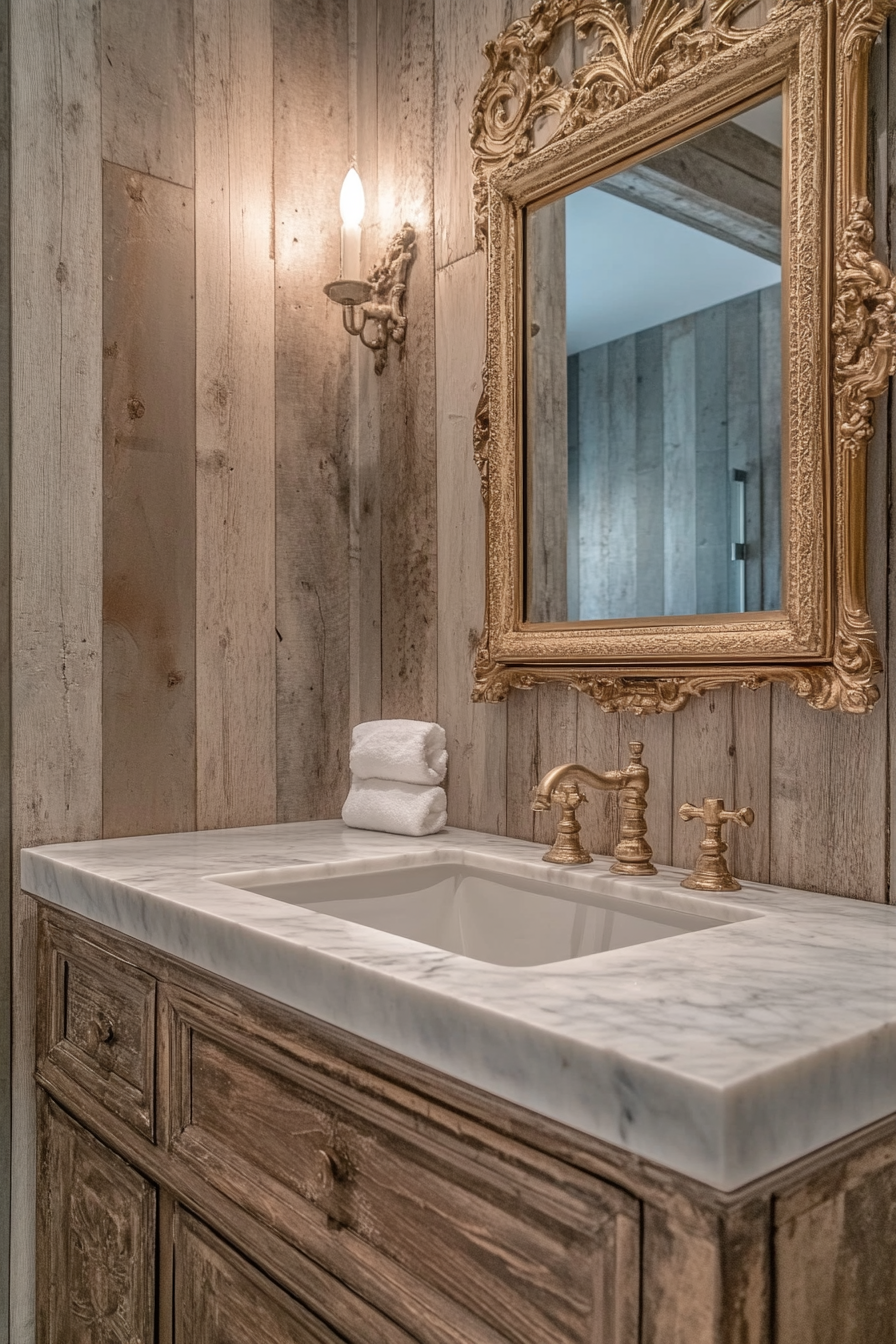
[(721, 1053)]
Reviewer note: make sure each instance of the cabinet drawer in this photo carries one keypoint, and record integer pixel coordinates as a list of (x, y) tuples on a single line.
[(96, 1025), (467, 1236)]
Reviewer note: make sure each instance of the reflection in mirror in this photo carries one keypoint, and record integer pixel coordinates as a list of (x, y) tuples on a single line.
[(653, 384)]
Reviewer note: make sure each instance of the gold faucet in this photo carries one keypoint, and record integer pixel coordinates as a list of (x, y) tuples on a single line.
[(561, 785), (711, 872)]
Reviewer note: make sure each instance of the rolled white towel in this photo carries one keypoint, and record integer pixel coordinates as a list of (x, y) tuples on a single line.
[(402, 749), (388, 805)]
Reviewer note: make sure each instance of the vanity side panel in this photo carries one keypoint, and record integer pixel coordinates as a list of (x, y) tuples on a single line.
[(96, 1265), (835, 1281), (707, 1284)]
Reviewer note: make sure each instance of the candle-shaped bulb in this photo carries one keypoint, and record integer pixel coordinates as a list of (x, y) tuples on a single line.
[(351, 200)]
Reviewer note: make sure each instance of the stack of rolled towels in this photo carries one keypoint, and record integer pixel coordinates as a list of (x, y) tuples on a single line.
[(397, 769)]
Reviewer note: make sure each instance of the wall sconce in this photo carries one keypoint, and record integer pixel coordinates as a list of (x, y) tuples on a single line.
[(381, 299)]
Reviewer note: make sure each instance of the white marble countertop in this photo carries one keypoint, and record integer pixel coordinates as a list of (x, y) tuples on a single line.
[(721, 1054)]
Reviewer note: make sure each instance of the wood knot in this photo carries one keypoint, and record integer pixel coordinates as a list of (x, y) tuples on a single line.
[(62, 273), (134, 188), (136, 408)]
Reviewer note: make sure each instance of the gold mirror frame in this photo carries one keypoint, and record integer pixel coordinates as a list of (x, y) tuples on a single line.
[(642, 87)]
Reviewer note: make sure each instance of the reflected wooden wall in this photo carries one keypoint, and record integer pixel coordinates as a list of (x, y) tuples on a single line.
[(819, 783), (658, 420)]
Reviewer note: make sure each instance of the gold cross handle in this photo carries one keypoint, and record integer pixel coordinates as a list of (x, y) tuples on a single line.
[(711, 872)]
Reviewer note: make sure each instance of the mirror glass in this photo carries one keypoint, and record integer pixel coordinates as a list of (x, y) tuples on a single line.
[(653, 460)]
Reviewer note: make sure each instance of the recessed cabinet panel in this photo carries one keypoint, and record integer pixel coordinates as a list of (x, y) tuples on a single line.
[(97, 1240), (97, 1025), (219, 1298), (403, 1210)]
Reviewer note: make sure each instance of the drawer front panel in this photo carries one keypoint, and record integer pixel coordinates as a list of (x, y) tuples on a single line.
[(97, 1025), (528, 1249)]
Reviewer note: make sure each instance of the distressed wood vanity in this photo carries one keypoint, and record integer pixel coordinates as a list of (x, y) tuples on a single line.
[(216, 1167)]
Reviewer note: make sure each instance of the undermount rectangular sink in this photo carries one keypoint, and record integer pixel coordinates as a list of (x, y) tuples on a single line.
[(488, 916)]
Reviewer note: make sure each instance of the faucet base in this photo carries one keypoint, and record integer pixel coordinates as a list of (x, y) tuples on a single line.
[(566, 849), (636, 867)]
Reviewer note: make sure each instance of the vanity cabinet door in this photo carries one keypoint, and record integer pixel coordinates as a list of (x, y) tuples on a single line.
[(220, 1298), (96, 1253)]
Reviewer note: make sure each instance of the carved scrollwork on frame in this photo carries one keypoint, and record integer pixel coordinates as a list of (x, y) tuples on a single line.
[(521, 88), (536, 134)]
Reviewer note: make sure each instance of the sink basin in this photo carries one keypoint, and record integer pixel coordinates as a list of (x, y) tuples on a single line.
[(488, 916)]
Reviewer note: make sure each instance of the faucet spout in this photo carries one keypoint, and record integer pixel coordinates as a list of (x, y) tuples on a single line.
[(561, 785)]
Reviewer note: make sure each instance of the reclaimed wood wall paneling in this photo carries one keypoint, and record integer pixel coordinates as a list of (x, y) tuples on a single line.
[(56, 504), (314, 417), (147, 77), (149, 502), (407, 416), (236, 674)]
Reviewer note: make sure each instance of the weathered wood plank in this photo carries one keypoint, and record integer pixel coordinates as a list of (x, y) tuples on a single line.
[(555, 744), (477, 734), (595, 555), (365, 546), (522, 762), (711, 483), (149, 476), (461, 31), (235, 511), (828, 786), (547, 465), (770, 412), (407, 388), (148, 87), (649, 459), (679, 459), (56, 553), (702, 767), (744, 400), (313, 390), (597, 746)]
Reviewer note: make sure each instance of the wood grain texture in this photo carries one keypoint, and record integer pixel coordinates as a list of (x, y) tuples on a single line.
[(97, 1267), (97, 1025), (493, 1243), (477, 734), (365, 544), (314, 394), (148, 87), (149, 503), (219, 1298), (461, 31), (547, 453), (55, 550), (833, 1244), (235, 505), (407, 388)]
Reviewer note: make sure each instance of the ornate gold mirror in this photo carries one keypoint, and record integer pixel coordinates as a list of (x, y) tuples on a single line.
[(687, 326)]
